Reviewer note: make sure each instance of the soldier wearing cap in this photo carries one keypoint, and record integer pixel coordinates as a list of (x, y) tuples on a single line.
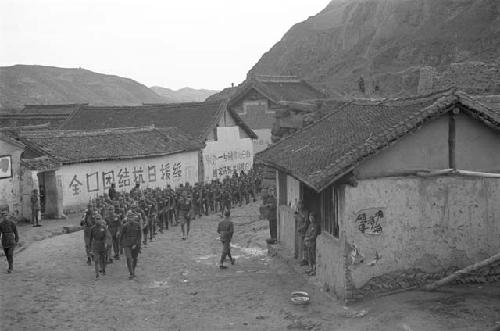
[(131, 242), (10, 238), (88, 222), (114, 226), (185, 207), (98, 241)]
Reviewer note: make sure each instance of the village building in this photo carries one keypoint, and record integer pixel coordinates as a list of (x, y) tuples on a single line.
[(226, 137), (86, 163), (260, 98), (10, 173), (406, 190)]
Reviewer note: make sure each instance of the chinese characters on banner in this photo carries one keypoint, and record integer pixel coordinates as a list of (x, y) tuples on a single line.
[(232, 153), (84, 182)]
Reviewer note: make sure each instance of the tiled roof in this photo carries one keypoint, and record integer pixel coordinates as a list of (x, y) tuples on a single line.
[(327, 149), (69, 146), (67, 109), (197, 119), (49, 120), (40, 163), (492, 101), (278, 89)]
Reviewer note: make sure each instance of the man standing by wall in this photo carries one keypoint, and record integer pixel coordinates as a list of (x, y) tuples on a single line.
[(310, 243), (226, 229), (35, 208), (10, 238)]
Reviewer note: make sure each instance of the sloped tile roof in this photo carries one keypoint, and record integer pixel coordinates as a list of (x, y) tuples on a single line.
[(278, 89), (196, 119), (70, 146), (47, 120), (66, 109), (327, 149)]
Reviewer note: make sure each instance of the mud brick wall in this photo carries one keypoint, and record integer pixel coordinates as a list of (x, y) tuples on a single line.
[(404, 232)]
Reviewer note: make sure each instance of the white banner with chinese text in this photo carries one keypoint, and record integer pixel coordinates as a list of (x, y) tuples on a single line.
[(229, 153), (83, 181)]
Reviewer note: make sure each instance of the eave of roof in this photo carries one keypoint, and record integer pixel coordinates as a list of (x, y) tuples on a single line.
[(373, 145), (35, 141)]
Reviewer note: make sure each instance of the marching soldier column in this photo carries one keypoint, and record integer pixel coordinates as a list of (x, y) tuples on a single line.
[(122, 222)]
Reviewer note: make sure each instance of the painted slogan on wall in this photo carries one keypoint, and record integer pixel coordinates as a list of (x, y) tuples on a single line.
[(370, 221), (229, 153), (86, 180)]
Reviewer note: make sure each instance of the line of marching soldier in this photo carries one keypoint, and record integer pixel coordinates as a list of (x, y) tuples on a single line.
[(121, 222)]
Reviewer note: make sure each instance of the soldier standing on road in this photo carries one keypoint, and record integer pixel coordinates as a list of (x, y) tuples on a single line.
[(10, 238), (88, 223), (226, 229), (131, 242), (35, 208), (185, 215), (115, 226), (98, 240)]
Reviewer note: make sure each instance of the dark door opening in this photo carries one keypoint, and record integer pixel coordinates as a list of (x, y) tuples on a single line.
[(48, 194), (312, 200), (41, 192)]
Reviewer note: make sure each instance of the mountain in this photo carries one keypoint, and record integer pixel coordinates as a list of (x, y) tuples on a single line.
[(32, 84), (185, 94), (392, 47)]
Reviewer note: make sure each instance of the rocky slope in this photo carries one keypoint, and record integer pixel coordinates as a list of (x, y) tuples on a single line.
[(26, 84), (393, 47), (185, 94)]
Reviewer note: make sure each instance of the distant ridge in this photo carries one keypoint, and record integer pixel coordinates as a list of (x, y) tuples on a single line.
[(34, 84), (185, 94)]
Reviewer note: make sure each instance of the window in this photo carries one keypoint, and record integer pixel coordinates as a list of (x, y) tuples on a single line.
[(5, 166), (330, 210)]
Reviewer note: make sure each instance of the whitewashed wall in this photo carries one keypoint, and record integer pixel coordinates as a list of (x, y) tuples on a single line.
[(82, 181), (228, 153), (263, 141)]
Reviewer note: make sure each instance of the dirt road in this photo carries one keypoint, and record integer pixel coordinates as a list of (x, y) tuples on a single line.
[(179, 287)]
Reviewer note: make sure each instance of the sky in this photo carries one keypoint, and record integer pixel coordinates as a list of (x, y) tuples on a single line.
[(201, 44)]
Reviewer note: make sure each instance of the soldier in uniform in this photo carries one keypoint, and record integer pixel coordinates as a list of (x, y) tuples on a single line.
[(114, 225), (152, 219), (162, 213), (185, 215), (204, 199), (171, 216), (217, 197), (10, 238), (131, 242), (196, 200), (98, 240), (88, 223), (226, 229)]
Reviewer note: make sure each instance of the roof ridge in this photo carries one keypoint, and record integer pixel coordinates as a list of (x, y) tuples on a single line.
[(75, 133)]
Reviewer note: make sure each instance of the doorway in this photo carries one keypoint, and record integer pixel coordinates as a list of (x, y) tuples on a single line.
[(311, 199), (48, 191)]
